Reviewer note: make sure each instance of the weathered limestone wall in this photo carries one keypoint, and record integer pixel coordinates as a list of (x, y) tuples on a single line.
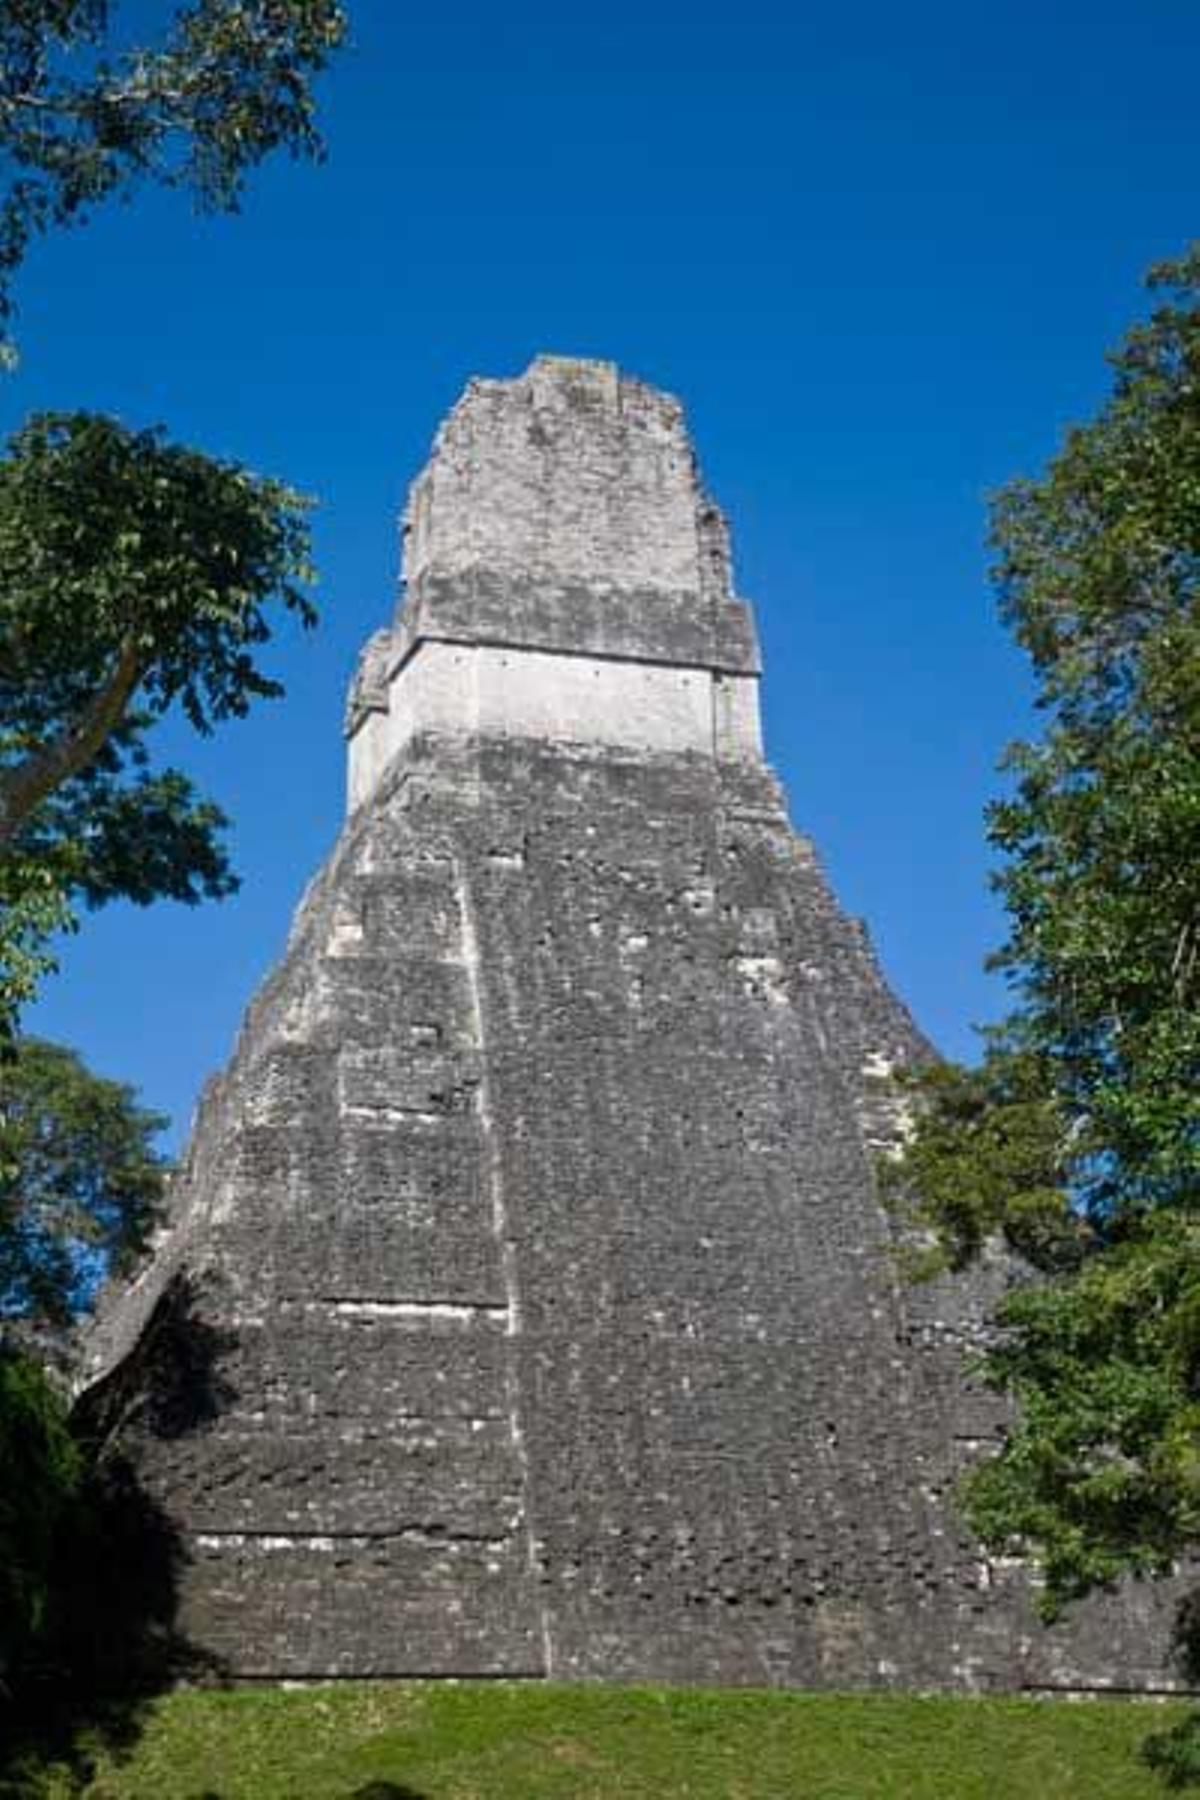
[(551, 1322), (570, 474)]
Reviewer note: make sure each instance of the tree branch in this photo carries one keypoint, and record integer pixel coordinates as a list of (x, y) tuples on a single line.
[(26, 786)]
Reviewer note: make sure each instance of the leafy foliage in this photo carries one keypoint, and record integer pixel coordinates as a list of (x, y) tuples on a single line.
[(1099, 568), (135, 576), (42, 1471), (81, 1186), (1078, 1139), (1175, 1753), (986, 1162), (1102, 1470), (82, 122), (32, 909), (81, 1183)]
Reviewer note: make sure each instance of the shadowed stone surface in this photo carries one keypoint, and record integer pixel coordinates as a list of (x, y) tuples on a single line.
[(534, 1213)]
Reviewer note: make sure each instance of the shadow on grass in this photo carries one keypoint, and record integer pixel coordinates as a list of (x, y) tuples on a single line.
[(111, 1643), (384, 1790), (1174, 1755)]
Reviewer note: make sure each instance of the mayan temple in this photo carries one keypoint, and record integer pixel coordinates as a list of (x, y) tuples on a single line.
[(554, 1327)]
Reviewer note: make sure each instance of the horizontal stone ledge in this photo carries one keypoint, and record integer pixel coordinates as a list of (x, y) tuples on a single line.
[(701, 659), (418, 1673), (452, 1311), (333, 1541), (1151, 1690)]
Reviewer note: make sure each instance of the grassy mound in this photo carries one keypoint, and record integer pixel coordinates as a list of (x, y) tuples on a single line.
[(512, 1741)]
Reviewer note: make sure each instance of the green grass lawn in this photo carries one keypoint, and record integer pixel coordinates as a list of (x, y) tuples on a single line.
[(513, 1741)]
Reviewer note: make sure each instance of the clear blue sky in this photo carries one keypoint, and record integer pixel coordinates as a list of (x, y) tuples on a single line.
[(879, 252)]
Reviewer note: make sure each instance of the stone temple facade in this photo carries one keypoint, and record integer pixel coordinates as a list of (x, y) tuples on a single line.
[(556, 1327)]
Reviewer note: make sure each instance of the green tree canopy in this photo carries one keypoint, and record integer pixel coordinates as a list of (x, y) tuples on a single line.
[(1078, 1138), (43, 1469), (135, 576), (81, 1188), (81, 1183), (85, 118)]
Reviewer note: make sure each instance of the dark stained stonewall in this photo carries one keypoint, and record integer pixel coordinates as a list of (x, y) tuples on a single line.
[(534, 1213)]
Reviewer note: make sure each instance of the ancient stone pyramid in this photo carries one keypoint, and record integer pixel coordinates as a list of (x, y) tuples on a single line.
[(533, 1221)]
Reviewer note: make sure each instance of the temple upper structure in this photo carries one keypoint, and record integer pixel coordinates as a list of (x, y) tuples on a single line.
[(566, 578)]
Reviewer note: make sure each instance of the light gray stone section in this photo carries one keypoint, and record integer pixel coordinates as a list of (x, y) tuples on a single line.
[(571, 475), (494, 691)]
